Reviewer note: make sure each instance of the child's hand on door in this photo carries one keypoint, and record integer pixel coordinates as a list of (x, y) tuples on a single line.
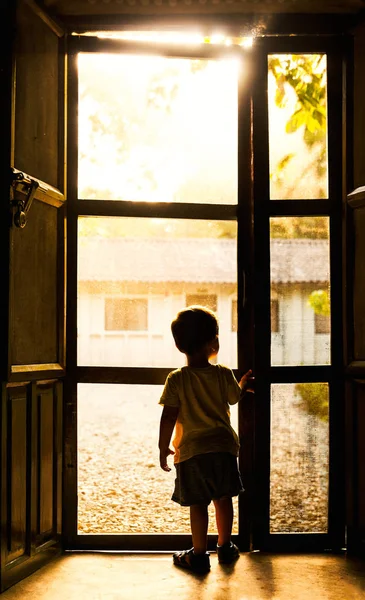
[(246, 382)]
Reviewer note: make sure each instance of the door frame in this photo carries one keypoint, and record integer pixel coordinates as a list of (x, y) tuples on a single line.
[(252, 212)]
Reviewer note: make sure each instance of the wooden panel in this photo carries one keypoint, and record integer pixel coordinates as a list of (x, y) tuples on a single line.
[(58, 446), (34, 316), (31, 477), (32, 116), (360, 414), (36, 107), (359, 284), (359, 106), (355, 395), (355, 480), (46, 459), (17, 489)]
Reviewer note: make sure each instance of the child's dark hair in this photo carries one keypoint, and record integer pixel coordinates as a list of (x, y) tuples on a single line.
[(194, 327)]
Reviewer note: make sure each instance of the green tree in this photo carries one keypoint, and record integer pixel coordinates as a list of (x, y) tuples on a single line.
[(313, 399), (306, 75), (319, 301), (299, 227)]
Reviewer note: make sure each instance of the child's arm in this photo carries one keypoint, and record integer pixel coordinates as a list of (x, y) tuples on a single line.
[(167, 424)]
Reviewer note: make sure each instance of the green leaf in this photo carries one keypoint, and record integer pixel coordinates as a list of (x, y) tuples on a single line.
[(319, 301), (284, 161)]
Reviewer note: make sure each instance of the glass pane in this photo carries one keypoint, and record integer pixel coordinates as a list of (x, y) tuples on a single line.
[(157, 129), (299, 458), (135, 274), (121, 487), (297, 97), (300, 291)]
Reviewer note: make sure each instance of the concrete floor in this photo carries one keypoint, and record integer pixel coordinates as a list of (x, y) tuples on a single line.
[(255, 576)]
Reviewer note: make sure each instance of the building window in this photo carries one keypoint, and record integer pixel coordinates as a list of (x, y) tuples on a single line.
[(322, 324), (208, 300), (126, 314), (274, 316), (234, 318)]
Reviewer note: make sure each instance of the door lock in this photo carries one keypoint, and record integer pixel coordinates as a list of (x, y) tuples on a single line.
[(22, 184)]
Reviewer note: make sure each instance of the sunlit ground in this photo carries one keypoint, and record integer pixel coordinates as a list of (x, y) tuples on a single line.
[(121, 487)]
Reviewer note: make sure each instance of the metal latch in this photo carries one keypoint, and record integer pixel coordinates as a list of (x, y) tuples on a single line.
[(21, 185)]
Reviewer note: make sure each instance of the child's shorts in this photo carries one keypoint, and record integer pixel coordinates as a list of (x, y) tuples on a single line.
[(206, 477)]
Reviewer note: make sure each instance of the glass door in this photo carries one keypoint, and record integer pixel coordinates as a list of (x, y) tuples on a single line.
[(298, 198), (154, 191)]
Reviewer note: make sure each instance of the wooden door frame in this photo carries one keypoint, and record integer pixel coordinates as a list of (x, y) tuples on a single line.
[(253, 267)]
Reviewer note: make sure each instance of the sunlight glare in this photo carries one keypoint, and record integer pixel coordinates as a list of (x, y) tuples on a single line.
[(247, 42), (133, 143), (188, 38)]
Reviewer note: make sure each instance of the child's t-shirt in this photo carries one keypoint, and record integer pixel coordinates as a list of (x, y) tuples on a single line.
[(203, 397)]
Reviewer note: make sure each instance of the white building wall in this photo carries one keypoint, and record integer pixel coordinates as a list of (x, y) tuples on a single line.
[(295, 344), (155, 347)]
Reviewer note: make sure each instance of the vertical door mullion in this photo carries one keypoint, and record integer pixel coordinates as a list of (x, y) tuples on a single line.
[(261, 194), (336, 512), (69, 516), (245, 299)]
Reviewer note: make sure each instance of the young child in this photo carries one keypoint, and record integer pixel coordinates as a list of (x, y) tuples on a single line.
[(196, 399)]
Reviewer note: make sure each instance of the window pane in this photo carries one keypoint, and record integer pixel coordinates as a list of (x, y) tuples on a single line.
[(210, 301), (300, 291), (297, 97), (299, 458), (126, 314), (157, 129), (135, 274), (121, 487)]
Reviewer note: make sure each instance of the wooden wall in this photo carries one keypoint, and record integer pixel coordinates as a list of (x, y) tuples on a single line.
[(355, 396)]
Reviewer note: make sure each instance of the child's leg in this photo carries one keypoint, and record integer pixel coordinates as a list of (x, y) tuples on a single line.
[(224, 517), (199, 527)]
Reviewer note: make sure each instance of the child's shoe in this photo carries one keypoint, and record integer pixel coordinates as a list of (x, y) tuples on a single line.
[(227, 553), (198, 563)]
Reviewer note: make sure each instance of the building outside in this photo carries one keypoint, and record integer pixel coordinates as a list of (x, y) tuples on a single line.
[(132, 288)]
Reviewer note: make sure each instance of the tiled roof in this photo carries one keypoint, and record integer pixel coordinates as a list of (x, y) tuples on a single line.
[(205, 260), (299, 260)]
